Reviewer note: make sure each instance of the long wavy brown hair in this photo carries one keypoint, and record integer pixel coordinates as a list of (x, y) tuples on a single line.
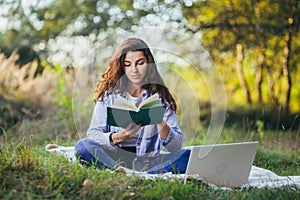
[(113, 78)]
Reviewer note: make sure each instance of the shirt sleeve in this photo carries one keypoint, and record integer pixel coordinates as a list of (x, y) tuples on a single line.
[(174, 141), (98, 130)]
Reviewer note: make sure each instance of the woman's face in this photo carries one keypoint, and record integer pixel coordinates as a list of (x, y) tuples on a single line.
[(135, 67)]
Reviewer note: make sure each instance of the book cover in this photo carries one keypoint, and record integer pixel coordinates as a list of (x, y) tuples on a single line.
[(122, 112)]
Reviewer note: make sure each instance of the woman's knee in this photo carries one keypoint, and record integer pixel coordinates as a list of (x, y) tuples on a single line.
[(183, 153), (85, 147), (186, 152)]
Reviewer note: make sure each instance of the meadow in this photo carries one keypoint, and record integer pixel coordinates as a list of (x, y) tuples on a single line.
[(37, 110), (29, 172)]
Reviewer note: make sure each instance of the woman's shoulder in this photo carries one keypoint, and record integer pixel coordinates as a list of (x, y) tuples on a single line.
[(109, 96)]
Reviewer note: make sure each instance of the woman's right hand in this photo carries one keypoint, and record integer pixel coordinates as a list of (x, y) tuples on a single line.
[(125, 134)]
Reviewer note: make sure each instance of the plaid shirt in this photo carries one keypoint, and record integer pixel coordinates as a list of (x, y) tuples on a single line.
[(147, 142)]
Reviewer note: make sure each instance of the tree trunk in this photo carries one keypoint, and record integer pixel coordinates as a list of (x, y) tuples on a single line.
[(271, 83), (259, 74), (285, 64), (240, 72)]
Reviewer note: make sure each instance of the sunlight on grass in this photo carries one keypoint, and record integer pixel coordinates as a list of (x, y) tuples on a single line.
[(28, 171)]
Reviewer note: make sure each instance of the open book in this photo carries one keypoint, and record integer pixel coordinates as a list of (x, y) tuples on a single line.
[(123, 112)]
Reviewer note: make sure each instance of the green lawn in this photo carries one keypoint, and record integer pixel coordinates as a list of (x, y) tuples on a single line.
[(29, 172)]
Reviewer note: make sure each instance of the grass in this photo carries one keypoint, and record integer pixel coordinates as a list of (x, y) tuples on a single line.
[(27, 171)]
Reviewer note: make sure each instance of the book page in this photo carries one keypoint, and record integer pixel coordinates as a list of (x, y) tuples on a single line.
[(124, 104), (150, 101), (156, 102)]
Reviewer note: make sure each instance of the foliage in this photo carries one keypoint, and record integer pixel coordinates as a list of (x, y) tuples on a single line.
[(41, 22), (63, 93), (268, 36), (27, 101)]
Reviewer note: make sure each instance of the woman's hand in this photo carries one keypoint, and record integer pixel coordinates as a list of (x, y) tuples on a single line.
[(125, 134)]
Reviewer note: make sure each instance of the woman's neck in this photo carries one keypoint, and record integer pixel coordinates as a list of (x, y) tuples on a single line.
[(134, 90)]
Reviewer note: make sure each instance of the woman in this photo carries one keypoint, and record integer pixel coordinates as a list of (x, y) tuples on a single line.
[(133, 75)]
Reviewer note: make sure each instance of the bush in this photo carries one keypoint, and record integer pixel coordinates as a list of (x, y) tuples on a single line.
[(28, 99)]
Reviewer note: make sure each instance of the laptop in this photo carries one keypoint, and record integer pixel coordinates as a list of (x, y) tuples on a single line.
[(226, 165)]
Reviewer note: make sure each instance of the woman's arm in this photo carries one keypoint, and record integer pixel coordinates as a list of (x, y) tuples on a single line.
[(170, 133), (98, 129), (163, 130)]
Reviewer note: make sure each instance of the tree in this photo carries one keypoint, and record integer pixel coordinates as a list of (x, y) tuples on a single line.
[(32, 24), (262, 28)]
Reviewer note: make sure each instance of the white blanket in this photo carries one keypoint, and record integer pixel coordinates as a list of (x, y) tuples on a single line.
[(258, 177)]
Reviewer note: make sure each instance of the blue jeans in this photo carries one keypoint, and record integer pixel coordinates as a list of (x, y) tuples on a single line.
[(90, 152)]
